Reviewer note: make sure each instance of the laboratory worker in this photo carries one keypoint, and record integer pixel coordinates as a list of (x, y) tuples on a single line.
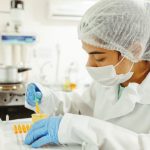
[(114, 112)]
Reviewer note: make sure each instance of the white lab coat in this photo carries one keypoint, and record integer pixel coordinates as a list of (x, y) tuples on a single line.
[(106, 122)]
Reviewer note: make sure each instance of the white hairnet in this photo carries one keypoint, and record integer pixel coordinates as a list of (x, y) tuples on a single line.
[(121, 25)]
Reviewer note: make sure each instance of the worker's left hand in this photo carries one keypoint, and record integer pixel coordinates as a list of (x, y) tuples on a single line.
[(44, 132)]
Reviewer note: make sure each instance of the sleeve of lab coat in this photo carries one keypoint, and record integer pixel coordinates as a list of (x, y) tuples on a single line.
[(78, 129), (66, 102)]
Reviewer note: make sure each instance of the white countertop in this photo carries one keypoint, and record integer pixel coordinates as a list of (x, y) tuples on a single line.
[(11, 141)]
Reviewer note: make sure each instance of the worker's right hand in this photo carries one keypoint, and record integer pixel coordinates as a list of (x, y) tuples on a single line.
[(33, 93)]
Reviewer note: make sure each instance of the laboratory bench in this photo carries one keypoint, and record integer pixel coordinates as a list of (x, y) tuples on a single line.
[(10, 140)]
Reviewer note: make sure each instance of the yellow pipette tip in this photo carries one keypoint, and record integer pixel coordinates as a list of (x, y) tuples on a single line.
[(28, 126), (15, 129), (19, 128), (24, 128), (37, 108)]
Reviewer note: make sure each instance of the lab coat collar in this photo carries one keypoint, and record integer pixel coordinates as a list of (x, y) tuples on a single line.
[(132, 94)]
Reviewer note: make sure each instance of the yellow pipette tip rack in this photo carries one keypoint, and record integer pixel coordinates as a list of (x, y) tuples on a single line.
[(21, 128)]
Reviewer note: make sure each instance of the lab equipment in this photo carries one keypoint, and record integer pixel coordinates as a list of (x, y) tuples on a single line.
[(12, 85), (17, 13), (11, 80), (18, 4), (44, 132), (17, 45), (11, 74), (12, 97), (121, 25), (32, 93), (70, 82), (69, 86)]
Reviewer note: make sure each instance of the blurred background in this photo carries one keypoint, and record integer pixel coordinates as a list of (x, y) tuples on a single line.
[(39, 43)]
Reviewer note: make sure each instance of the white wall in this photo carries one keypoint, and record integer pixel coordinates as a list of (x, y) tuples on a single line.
[(49, 34)]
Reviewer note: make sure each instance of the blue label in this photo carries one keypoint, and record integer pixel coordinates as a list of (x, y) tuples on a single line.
[(18, 39)]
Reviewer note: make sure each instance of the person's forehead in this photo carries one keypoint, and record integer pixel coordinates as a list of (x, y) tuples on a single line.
[(90, 48)]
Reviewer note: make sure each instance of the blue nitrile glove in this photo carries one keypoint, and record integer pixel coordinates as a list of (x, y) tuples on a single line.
[(44, 132), (33, 93)]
